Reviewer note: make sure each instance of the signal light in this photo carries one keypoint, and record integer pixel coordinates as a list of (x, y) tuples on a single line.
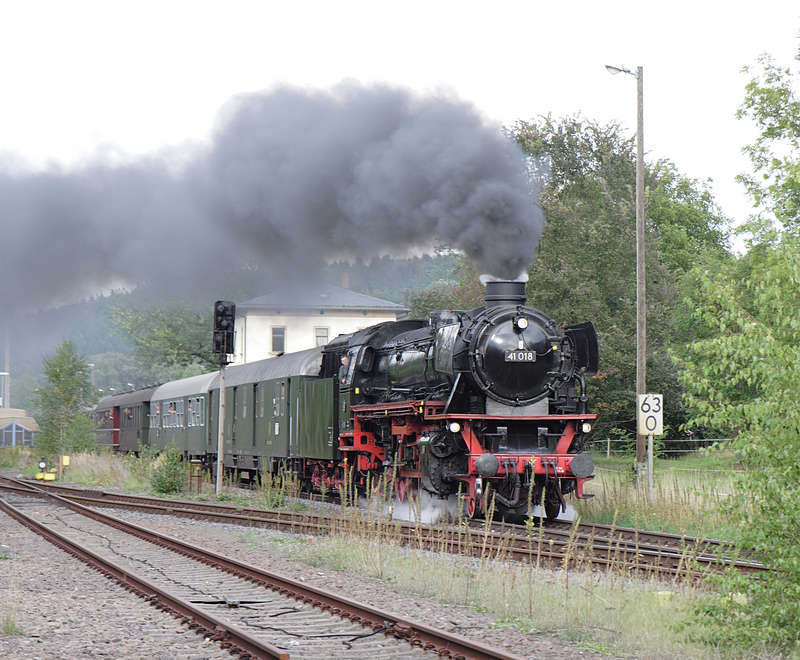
[(224, 319), (224, 315)]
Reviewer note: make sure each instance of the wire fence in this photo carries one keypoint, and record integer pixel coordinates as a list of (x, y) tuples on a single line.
[(660, 445)]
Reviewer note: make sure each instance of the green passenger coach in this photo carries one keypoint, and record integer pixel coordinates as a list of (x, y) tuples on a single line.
[(179, 415), (275, 409), (122, 420)]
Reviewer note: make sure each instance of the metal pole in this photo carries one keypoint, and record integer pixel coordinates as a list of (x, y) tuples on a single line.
[(220, 445), (650, 463), (7, 388), (641, 307)]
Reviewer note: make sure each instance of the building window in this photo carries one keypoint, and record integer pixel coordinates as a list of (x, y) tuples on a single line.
[(278, 340), (320, 336)]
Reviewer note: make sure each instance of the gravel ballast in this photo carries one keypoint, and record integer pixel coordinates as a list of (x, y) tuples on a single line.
[(65, 609)]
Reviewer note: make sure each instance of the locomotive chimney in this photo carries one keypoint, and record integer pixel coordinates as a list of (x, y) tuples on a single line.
[(504, 292)]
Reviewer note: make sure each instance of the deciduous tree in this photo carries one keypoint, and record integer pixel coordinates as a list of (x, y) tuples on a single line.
[(63, 403), (743, 378), (166, 336), (742, 373)]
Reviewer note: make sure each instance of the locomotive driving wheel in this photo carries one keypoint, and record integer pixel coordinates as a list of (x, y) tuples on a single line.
[(552, 502), (402, 490), (472, 498), (405, 488), (472, 506)]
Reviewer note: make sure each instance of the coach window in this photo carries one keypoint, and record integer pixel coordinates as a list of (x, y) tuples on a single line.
[(260, 400), (320, 336), (195, 412), (199, 419), (278, 339), (155, 417)]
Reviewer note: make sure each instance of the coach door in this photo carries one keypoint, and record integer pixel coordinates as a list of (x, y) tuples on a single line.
[(315, 413)]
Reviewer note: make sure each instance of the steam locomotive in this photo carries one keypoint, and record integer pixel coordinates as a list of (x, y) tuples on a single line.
[(488, 403)]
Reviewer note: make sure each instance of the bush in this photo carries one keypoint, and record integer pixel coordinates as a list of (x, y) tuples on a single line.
[(169, 474)]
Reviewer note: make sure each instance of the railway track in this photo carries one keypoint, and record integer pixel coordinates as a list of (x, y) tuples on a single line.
[(254, 612), (555, 543)]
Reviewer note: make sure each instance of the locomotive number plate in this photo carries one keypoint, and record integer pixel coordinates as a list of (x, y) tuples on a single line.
[(520, 356)]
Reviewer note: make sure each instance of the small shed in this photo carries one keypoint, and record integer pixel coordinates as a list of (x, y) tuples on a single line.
[(16, 428)]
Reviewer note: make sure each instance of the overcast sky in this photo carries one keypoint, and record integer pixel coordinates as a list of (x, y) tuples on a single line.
[(84, 77)]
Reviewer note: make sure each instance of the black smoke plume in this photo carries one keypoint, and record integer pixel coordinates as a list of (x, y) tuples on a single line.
[(289, 179)]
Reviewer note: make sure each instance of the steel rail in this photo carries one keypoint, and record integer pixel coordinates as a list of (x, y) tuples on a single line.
[(216, 629), (416, 633), (625, 551), (638, 538)]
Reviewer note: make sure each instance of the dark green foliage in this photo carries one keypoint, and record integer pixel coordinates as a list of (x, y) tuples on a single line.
[(395, 279), (743, 378), (772, 102), (62, 404), (117, 372), (169, 474), (175, 335), (461, 290), (586, 266), (742, 375)]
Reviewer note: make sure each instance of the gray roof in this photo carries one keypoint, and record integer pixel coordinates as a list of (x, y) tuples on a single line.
[(326, 297), (125, 398), (302, 363), (184, 387)]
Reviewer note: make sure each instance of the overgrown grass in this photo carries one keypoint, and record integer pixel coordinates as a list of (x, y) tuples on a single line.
[(16, 458), (8, 623), (610, 613), (685, 499), (109, 470)]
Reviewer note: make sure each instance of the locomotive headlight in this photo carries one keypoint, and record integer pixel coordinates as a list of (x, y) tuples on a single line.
[(454, 427), (586, 427), (522, 323)]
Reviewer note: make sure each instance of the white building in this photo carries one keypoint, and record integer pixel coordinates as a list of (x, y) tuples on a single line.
[(286, 321)]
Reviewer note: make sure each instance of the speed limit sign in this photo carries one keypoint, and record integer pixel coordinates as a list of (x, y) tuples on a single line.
[(651, 414)]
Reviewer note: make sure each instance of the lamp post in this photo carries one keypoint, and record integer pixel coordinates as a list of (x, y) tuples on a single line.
[(7, 370), (641, 306)]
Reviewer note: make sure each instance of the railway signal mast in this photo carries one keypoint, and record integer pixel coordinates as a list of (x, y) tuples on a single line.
[(224, 317)]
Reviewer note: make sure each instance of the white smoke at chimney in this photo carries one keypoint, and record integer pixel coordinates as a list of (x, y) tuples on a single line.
[(487, 277)]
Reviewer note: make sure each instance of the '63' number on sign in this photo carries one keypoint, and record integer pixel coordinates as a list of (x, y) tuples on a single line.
[(650, 417)]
